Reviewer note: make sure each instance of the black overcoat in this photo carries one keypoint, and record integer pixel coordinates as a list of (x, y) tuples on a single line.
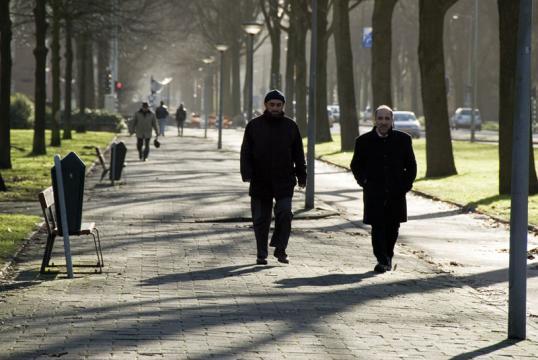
[(385, 167), (272, 156)]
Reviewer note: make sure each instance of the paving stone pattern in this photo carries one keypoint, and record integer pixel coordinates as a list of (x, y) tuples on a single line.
[(180, 282)]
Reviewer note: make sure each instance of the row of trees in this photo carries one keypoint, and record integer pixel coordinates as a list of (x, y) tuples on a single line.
[(82, 29), (430, 49), (171, 37)]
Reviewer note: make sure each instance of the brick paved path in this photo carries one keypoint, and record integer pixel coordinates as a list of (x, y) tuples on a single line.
[(180, 282)]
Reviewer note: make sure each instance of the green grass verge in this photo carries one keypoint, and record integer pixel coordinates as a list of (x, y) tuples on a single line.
[(30, 174), (13, 230), (476, 184)]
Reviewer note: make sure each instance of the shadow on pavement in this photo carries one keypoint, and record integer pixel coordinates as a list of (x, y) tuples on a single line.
[(301, 311), (435, 215), (210, 274), (325, 280), (485, 350)]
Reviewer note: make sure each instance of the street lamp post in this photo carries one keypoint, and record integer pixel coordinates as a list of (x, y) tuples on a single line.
[(473, 46), (311, 145), (221, 48), (208, 77), (251, 29)]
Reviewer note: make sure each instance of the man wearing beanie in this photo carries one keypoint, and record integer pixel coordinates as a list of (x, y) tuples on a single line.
[(273, 162)]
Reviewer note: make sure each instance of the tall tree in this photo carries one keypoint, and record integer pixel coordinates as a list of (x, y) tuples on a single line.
[(291, 56), (508, 28), (381, 51), (439, 154), (55, 139), (68, 71), (299, 15), (81, 56), (273, 18), (323, 130), (40, 98), (346, 83), (5, 84)]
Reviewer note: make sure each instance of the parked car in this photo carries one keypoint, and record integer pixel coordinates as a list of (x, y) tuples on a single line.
[(366, 115), (462, 119), (406, 121), (334, 112)]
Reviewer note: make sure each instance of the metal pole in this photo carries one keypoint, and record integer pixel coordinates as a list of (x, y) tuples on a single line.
[(517, 273), (205, 102), (113, 163), (250, 67), (221, 90), (63, 215), (473, 68), (311, 145)]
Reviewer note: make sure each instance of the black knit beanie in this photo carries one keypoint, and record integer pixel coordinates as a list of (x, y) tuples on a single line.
[(274, 95)]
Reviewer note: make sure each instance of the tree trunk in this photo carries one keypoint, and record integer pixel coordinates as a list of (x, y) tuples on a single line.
[(508, 28), (381, 52), (81, 73), (323, 130), (439, 155), (227, 85), (299, 8), (68, 75), (2, 184), (5, 86), (103, 56), (55, 139), (90, 78), (236, 84), (275, 45), (40, 98), (290, 69), (346, 84)]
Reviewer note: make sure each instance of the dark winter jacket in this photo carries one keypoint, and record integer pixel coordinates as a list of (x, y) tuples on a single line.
[(386, 169), (272, 156)]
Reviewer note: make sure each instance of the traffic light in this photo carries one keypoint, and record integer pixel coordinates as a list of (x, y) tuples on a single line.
[(108, 81), (118, 86)]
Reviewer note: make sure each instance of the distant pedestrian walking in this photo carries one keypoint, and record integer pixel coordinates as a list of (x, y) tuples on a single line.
[(384, 165), (162, 116), (272, 160), (144, 121), (181, 116)]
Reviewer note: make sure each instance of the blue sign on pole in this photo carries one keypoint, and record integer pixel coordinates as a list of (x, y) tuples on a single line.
[(366, 37)]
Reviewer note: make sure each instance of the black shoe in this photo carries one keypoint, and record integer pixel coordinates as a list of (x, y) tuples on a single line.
[(281, 256), (380, 268), (261, 261)]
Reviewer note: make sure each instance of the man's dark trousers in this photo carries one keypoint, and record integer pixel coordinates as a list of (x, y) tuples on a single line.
[(139, 141), (384, 236), (261, 219)]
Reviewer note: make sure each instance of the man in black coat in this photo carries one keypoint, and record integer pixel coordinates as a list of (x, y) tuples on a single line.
[(384, 166), (273, 162)]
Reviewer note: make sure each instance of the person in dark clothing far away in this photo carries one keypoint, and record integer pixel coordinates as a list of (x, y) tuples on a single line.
[(144, 121), (273, 162), (162, 116), (384, 166), (181, 116)]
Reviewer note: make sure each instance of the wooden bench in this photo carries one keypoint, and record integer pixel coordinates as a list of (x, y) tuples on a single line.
[(102, 162), (46, 199)]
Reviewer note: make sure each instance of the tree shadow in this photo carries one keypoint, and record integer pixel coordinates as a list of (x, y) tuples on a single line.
[(435, 215), (325, 280), (210, 274), (486, 201)]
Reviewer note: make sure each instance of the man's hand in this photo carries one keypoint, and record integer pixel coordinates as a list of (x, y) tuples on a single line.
[(302, 185)]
